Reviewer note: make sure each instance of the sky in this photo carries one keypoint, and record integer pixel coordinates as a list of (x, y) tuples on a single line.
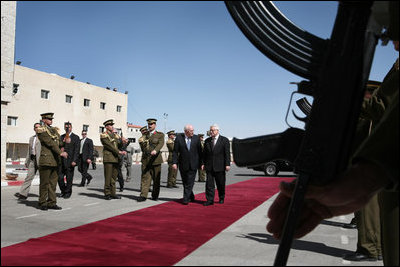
[(181, 62)]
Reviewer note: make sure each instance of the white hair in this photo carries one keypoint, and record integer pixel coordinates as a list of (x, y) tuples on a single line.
[(187, 126), (215, 126)]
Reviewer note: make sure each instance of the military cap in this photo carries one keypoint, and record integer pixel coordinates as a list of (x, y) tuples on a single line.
[(372, 85), (108, 122), (144, 128), (48, 115), (171, 132), (200, 135), (151, 120)]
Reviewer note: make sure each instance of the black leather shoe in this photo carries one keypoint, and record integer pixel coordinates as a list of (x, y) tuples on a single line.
[(359, 257), (154, 198), (175, 186), (185, 202), (108, 197), (208, 203), (81, 185), (169, 186), (88, 181), (115, 197), (221, 201), (141, 199), (42, 207), (349, 226), (380, 257), (19, 196), (66, 196), (121, 190), (55, 207), (192, 199)]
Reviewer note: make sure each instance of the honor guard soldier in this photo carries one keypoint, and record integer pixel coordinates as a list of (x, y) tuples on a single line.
[(202, 173), (111, 144), (151, 170), (144, 146), (171, 171), (49, 162)]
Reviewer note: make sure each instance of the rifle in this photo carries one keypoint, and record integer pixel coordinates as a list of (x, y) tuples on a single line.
[(325, 146)]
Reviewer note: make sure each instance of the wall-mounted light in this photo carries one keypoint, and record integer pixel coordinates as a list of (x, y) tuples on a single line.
[(18, 62), (15, 88), (115, 89), (72, 77)]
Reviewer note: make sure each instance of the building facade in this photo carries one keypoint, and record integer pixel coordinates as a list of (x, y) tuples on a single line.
[(8, 18), (85, 105)]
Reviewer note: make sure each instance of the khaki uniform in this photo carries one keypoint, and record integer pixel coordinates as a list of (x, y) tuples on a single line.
[(49, 162), (171, 171), (111, 142), (144, 146), (382, 148), (151, 166)]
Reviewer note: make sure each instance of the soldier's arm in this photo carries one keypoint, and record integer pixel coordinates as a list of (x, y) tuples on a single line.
[(47, 141), (160, 143), (108, 145)]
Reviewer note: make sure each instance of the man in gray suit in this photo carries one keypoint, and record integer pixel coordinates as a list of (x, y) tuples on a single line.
[(32, 163)]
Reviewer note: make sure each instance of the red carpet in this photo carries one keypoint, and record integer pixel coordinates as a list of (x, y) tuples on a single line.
[(158, 235)]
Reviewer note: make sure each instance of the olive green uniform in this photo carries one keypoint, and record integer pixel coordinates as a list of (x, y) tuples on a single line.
[(111, 142), (144, 146), (171, 171), (49, 162), (151, 168), (202, 173), (382, 149)]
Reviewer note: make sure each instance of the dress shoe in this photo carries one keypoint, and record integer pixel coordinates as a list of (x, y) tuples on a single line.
[(185, 202), (154, 198), (208, 203), (19, 196), (121, 190), (55, 207), (359, 257), (42, 207), (349, 226), (115, 197), (108, 197), (221, 201), (88, 180), (192, 199), (81, 185), (141, 199), (169, 186), (66, 196), (175, 186)]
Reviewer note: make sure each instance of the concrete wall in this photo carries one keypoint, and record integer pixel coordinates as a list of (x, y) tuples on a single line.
[(8, 17)]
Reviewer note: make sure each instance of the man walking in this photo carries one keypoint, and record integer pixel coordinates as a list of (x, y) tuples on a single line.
[(216, 163), (32, 163), (49, 162), (85, 158), (152, 169), (111, 142), (68, 164), (187, 154)]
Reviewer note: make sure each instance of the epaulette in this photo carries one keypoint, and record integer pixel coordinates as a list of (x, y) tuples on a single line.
[(41, 129), (103, 135)]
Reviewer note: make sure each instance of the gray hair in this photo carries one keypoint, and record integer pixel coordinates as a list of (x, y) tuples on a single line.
[(215, 126), (187, 126)]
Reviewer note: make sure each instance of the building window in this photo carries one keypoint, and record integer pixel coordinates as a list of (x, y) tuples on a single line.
[(12, 121), (45, 94), (86, 102), (102, 105), (132, 140), (68, 98), (119, 108), (85, 128), (101, 129)]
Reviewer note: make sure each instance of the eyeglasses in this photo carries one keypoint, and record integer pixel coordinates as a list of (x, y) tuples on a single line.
[(84, 134)]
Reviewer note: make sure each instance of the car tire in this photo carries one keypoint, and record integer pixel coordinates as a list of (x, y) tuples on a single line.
[(271, 169)]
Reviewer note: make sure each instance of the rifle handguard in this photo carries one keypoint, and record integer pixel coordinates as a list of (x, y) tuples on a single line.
[(261, 149)]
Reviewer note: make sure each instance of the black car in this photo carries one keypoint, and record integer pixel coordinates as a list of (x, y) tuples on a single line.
[(272, 168)]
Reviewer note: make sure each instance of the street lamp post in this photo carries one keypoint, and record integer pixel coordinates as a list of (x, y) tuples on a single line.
[(165, 115)]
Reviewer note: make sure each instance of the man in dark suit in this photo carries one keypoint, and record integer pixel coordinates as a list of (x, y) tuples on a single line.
[(85, 158), (68, 164), (187, 155), (217, 160)]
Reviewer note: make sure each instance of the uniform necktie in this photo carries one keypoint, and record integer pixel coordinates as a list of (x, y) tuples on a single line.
[(188, 144)]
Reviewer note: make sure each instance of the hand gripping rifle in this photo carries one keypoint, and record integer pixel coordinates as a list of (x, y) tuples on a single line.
[(322, 151)]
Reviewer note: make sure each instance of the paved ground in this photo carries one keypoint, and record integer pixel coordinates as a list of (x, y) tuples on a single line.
[(245, 242)]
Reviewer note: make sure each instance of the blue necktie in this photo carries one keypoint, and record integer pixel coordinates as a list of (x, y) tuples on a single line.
[(188, 144)]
